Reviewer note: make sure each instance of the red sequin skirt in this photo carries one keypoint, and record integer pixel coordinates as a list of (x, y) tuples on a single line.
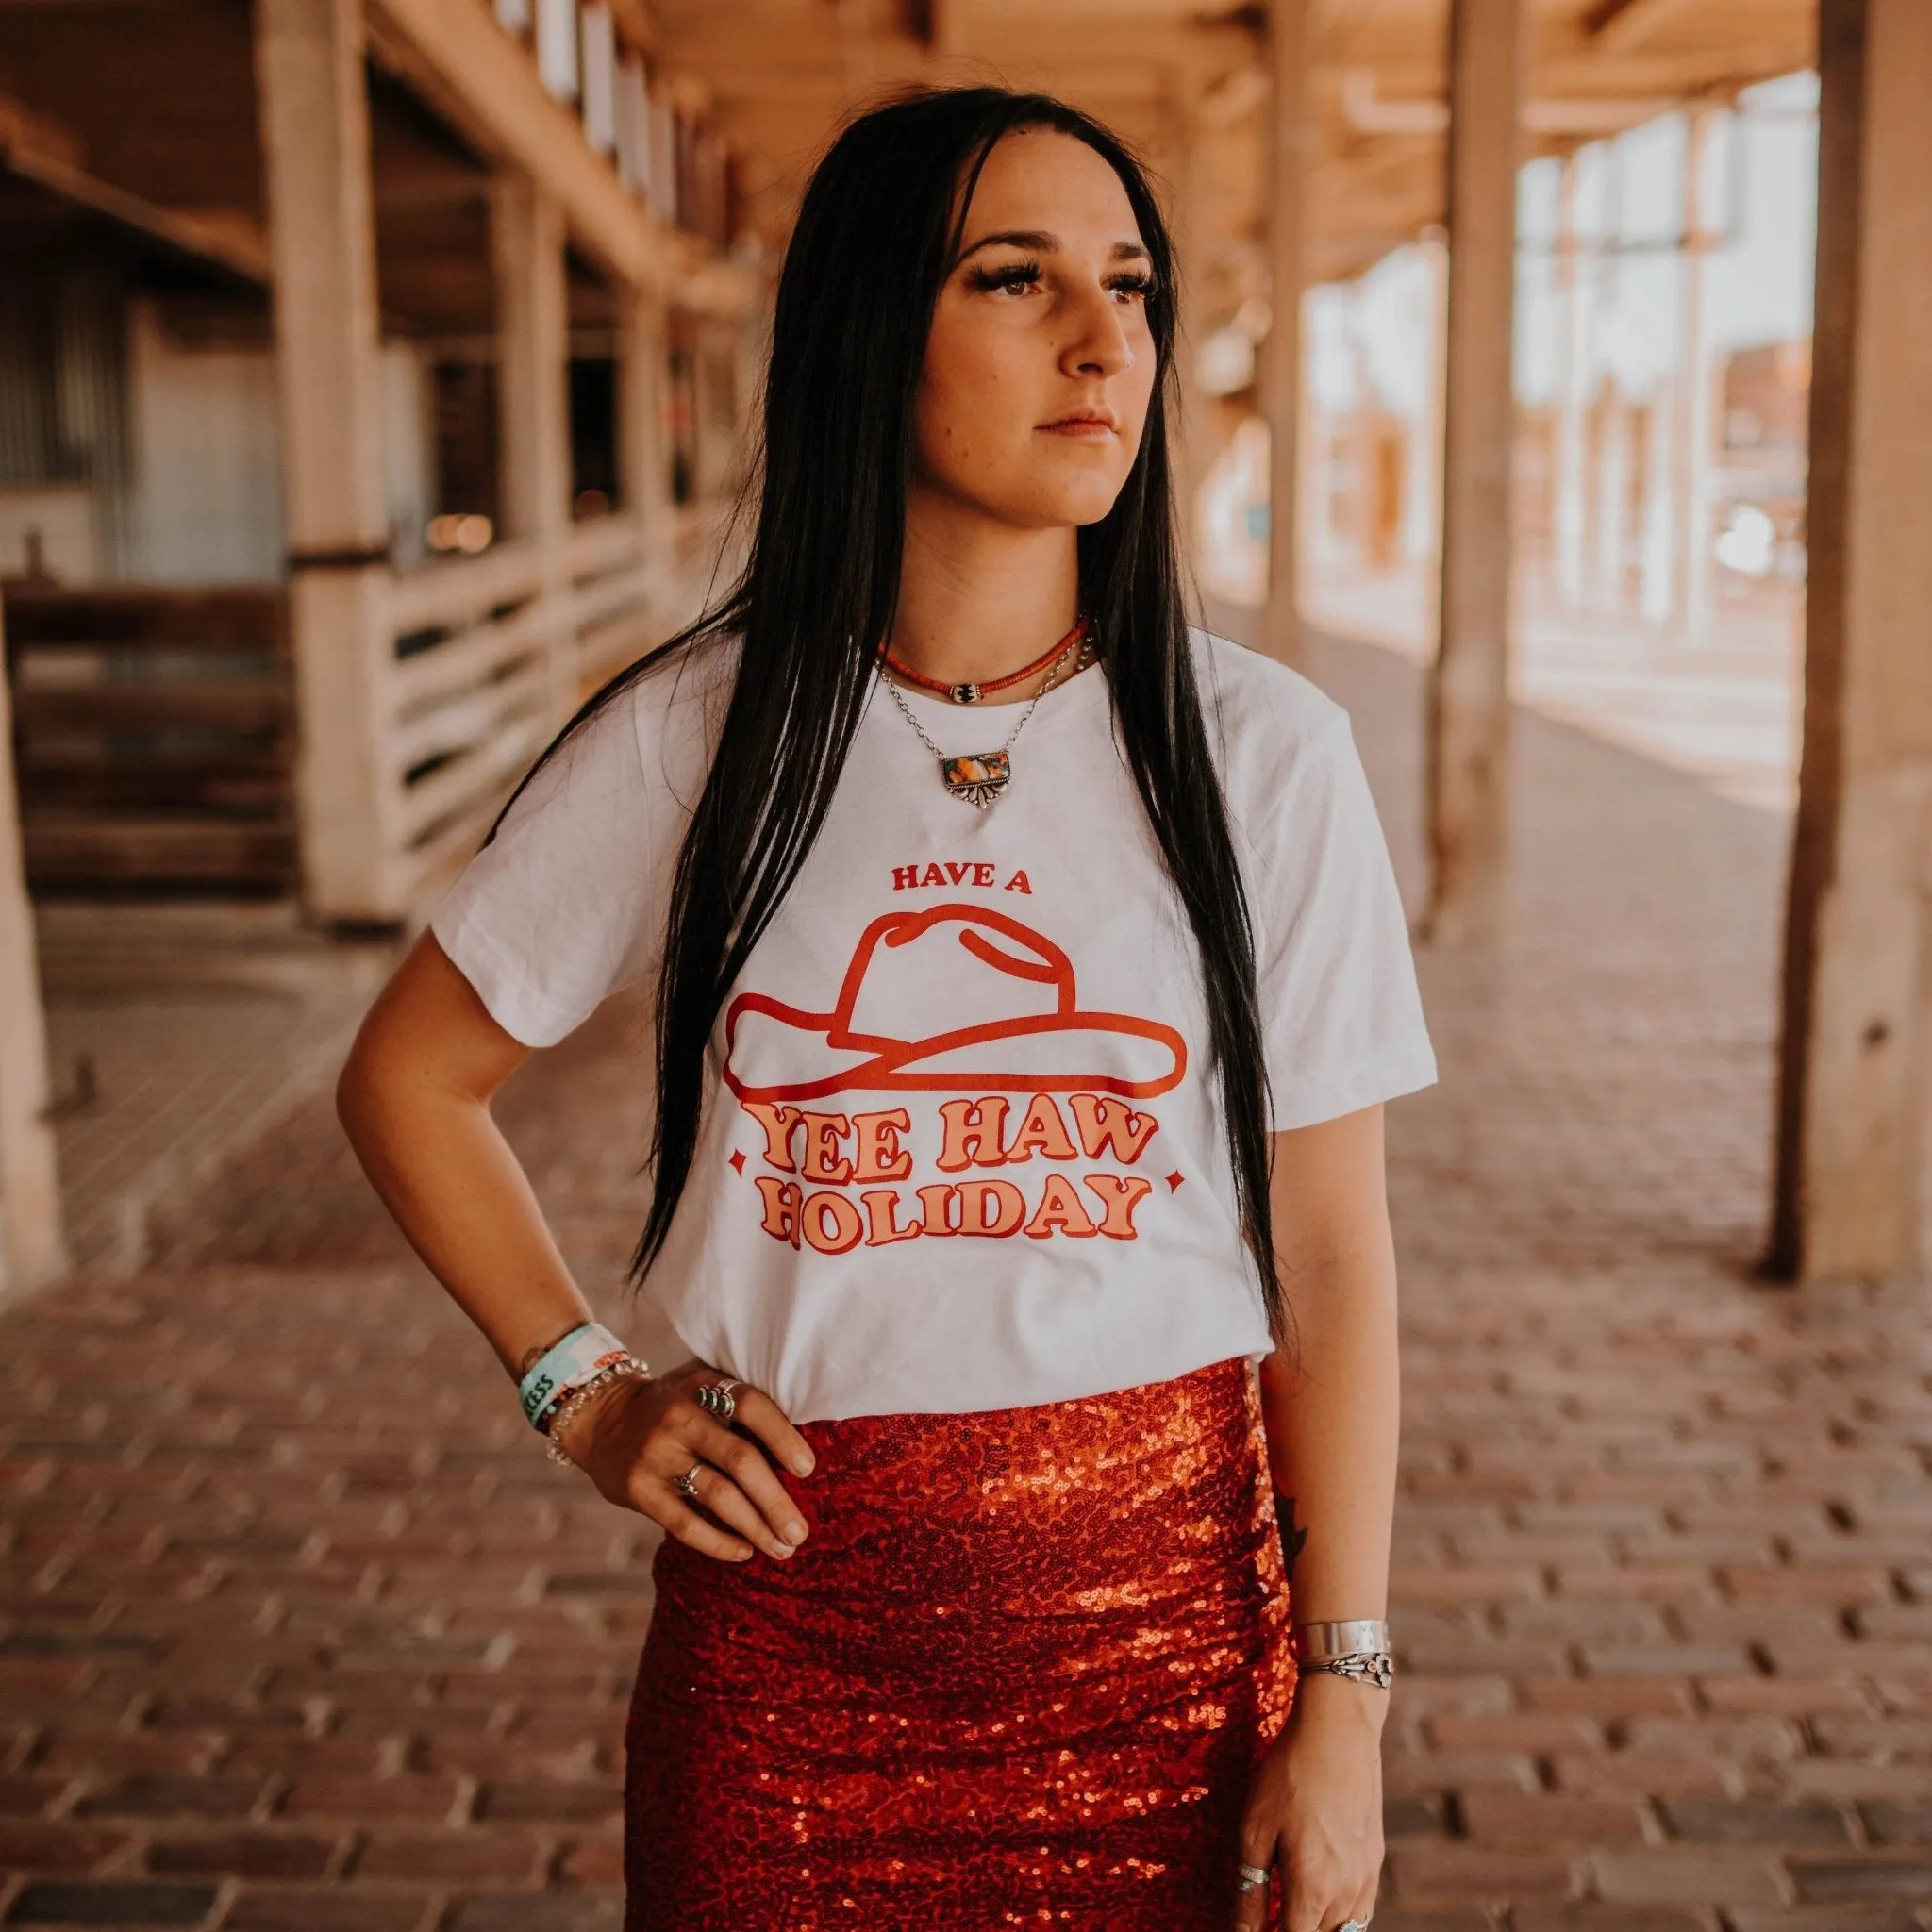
[(1018, 1674)]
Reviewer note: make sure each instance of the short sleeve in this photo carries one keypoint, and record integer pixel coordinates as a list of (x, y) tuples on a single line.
[(1341, 1015), (565, 905)]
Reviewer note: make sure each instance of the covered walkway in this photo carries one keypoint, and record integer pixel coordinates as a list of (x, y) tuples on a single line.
[(304, 1633)]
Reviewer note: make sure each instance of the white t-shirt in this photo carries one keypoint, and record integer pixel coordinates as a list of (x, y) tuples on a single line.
[(962, 1146)]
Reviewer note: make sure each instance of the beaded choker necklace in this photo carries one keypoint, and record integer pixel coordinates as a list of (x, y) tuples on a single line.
[(979, 777), (972, 693)]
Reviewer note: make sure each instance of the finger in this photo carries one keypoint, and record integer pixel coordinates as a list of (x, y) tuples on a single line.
[(1304, 1910), (722, 1498), (1251, 1909), (1258, 1849), (744, 1463), (1361, 1907), (773, 1428), (728, 1469), (1364, 1906), (662, 1504), (1300, 1907)]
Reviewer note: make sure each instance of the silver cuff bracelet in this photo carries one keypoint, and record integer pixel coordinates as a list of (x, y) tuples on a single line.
[(1315, 1643), (1376, 1668)]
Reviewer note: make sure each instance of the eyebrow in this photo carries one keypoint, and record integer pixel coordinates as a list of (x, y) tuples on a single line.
[(1039, 239)]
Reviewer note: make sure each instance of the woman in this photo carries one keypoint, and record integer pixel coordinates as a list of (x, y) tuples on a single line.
[(985, 905)]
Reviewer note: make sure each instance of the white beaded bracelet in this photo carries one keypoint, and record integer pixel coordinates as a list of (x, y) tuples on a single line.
[(626, 1368)]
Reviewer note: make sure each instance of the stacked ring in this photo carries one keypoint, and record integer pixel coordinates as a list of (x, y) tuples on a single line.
[(717, 1400), (1253, 1876)]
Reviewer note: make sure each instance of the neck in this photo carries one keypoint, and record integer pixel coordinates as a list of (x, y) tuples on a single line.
[(978, 599)]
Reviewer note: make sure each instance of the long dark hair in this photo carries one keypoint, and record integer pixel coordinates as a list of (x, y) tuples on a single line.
[(877, 235)]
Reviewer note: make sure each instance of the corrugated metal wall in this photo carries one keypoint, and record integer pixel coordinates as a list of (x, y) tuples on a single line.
[(63, 391)]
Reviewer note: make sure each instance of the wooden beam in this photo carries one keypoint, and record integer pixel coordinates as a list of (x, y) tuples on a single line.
[(25, 134), (480, 78), (1469, 690), (1854, 1186), (1621, 24), (43, 150)]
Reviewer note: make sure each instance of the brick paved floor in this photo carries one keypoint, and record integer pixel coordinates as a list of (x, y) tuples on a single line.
[(179, 1033), (299, 1631)]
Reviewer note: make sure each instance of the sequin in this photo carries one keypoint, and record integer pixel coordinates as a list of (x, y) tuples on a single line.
[(1018, 1675)]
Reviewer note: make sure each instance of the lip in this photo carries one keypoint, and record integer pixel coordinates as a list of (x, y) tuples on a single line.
[(1091, 424)]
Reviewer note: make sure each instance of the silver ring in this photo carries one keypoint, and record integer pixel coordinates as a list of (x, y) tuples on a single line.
[(687, 1484), (1253, 1876), (1353, 1925), (715, 1399)]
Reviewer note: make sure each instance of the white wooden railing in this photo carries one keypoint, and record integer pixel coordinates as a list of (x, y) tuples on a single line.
[(491, 655)]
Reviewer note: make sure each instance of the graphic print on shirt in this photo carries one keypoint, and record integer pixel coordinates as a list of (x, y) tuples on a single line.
[(1033, 1072)]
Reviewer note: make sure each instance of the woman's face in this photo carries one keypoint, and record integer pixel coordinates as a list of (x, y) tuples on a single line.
[(1040, 364)]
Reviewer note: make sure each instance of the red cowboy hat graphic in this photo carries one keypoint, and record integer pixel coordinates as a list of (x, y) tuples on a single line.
[(1006, 990)]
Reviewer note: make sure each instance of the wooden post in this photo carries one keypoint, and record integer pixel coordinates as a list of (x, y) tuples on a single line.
[(533, 342), (1612, 499), (1695, 431), (643, 462), (1611, 542), (1659, 518), (1364, 436), (33, 1249), (1192, 445), (533, 395), (1281, 353), (1468, 693), (1423, 511), (315, 138), (1575, 290), (1854, 1118)]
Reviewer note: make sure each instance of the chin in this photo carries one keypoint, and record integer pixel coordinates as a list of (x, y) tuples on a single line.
[(1067, 510), (1070, 502)]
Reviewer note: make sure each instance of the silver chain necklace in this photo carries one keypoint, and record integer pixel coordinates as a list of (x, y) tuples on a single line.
[(980, 776)]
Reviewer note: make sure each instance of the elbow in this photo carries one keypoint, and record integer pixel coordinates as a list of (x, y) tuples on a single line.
[(357, 1088)]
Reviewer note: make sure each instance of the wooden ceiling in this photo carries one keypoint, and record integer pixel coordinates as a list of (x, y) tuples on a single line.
[(1186, 80), (141, 115), (154, 102)]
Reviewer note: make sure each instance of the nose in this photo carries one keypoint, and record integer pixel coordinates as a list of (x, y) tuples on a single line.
[(1098, 343)]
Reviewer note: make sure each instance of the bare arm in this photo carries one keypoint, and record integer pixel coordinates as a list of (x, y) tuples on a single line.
[(414, 1099), (1331, 1401), (1334, 1414)]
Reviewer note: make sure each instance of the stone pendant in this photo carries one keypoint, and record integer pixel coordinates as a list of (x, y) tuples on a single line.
[(978, 778)]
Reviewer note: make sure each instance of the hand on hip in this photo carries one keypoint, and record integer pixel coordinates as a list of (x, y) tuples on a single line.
[(692, 1450)]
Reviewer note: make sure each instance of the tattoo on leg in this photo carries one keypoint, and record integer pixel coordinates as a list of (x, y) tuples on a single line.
[(1291, 1537)]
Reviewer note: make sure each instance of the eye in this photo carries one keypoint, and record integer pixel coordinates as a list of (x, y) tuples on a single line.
[(1136, 285), (1012, 276)]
